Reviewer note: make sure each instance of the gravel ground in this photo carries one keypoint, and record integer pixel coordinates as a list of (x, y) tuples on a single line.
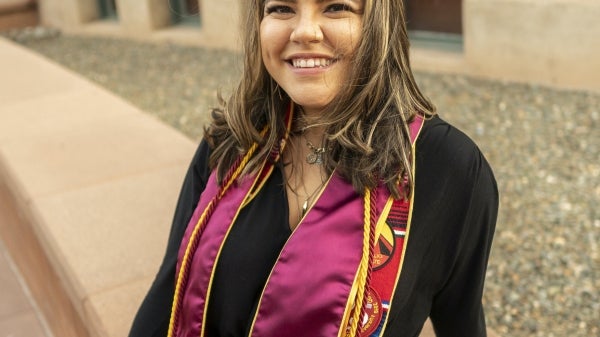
[(543, 277)]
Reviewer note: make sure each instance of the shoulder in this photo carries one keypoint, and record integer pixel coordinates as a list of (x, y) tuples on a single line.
[(447, 150), (441, 138), (199, 169), (202, 154), (449, 163)]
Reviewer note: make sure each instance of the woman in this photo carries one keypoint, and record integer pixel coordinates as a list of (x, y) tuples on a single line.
[(327, 199)]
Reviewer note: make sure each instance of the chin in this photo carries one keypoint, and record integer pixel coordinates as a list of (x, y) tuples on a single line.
[(312, 105)]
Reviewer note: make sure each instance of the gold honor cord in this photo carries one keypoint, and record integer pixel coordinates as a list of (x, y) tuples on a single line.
[(363, 270), (233, 173), (192, 244)]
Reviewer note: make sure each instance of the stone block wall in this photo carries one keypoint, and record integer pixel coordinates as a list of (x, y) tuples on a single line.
[(135, 17), (554, 42), (550, 42)]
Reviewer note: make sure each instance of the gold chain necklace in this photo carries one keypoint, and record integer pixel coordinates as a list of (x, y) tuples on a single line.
[(305, 200), (309, 199)]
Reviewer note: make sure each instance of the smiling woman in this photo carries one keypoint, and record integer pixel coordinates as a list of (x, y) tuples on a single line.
[(327, 197)]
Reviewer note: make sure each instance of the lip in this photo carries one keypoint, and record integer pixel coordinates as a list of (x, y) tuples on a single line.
[(309, 56)]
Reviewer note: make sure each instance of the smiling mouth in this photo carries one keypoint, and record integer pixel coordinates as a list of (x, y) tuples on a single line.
[(311, 62)]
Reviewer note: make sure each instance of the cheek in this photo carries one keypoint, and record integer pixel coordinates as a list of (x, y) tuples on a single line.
[(270, 37), (263, 41), (355, 36), (346, 36)]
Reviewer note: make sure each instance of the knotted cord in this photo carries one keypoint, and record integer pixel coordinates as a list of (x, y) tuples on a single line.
[(366, 263)]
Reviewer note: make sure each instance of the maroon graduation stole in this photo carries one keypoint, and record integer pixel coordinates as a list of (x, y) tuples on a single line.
[(335, 276), (387, 262)]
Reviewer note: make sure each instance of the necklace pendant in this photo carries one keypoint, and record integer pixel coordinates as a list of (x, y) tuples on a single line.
[(304, 207), (314, 158)]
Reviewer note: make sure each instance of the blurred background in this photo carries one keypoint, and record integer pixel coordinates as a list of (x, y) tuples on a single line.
[(520, 77)]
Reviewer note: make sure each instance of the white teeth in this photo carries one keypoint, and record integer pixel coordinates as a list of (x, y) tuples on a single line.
[(311, 63)]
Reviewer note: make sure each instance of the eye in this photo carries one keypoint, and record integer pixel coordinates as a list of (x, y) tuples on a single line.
[(340, 7), (278, 9)]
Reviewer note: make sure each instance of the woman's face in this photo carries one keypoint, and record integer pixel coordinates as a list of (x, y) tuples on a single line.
[(307, 46)]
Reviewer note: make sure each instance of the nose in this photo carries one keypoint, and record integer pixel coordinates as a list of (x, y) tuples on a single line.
[(307, 30)]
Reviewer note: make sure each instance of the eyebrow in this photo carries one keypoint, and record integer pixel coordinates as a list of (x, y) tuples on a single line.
[(318, 1)]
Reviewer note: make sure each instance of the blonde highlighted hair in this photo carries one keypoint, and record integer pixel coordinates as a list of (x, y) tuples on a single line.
[(366, 123)]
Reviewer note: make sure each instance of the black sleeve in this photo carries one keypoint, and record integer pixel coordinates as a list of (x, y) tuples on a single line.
[(457, 309), (153, 316)]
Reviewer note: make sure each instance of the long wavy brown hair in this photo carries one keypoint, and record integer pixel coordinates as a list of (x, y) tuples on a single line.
[(366, 123)]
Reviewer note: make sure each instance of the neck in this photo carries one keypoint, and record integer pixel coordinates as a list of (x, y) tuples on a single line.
[(315, 136), (310, 112), (310, 127)]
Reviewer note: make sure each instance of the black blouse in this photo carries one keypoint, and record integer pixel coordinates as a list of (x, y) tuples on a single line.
[(454, 215)]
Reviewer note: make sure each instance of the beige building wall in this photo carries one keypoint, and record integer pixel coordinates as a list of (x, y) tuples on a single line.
[(554, 42), (220, 22), (67, 14), (143, 16), (135, 17), (550, 42)]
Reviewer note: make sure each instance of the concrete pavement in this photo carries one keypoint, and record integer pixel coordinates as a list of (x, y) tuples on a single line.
[(94, 181)]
